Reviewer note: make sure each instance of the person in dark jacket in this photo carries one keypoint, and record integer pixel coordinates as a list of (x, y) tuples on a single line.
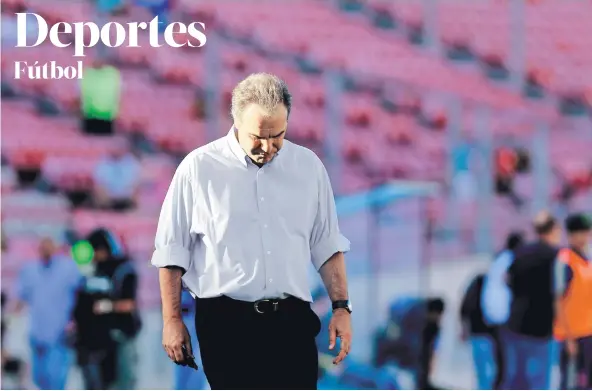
[(106, 317), (479, 334), (528, 335)]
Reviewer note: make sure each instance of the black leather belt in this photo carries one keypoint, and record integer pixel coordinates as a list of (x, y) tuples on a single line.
[(266, 306), (261, 307)]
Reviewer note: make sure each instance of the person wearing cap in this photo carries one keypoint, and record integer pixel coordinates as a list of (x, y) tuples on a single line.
[(573, 326), (528, 334), (106, 316)]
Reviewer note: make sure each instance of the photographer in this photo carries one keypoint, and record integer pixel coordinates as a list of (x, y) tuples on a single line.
[(106, 317)]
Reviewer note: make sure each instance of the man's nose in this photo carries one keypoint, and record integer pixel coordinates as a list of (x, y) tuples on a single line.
[(266, 145)]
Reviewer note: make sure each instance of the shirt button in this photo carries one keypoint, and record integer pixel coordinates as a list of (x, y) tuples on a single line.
[(262, 198), (271, 280), (269, 252)]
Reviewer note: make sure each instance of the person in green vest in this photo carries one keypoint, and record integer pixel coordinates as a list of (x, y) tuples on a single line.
[(100, 98)]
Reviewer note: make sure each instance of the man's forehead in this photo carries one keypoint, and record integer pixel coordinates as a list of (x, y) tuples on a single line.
[(266, 126), (257, 117)]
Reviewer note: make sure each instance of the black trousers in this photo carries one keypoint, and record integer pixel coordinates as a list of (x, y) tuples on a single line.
[(243, 349)]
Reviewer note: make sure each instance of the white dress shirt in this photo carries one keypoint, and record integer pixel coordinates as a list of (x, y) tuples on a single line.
[(248, 232)]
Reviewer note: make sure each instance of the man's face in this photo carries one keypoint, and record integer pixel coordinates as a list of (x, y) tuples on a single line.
[(554, 237), (119, 151), (260, 133), (580, 240), (101, 254), (117, 154), (46, 248)]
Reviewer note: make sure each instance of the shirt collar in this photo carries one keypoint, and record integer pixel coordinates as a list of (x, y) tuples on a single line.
[(235, 147)]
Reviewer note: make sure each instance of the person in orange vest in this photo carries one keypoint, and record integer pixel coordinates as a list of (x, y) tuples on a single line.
[(573, 326)]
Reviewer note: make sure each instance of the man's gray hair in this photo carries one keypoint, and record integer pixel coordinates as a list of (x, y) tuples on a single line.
[(264, 89)]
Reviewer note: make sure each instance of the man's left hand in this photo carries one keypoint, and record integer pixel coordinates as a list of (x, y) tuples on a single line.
[(340, 327)]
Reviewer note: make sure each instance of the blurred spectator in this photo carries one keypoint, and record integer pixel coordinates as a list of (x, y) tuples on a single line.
[(9, 178), (13, 369), (110, 7), (48, 288), (409, 340), (100, 98), (528, 337), (523, 164), (106, 9), (160, 9), (572, 185), (506, 162), (356, 376), (9, 30), (107, 319), (478, 333), (573, 327), (464, 185), (117, 179), (496, 299)]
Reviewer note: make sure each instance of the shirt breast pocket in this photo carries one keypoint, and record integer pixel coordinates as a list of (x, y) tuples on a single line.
[(222, 209)]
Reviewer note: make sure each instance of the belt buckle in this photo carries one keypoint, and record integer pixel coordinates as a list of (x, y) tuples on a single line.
[(273, 302)]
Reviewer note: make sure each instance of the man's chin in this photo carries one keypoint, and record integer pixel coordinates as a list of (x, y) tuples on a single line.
[(263, 159)]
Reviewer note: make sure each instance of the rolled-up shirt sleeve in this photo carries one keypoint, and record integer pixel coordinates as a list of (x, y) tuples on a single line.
[(174, 240), (326, 239)]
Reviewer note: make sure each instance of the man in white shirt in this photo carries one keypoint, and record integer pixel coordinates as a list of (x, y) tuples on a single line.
[(242, 220)]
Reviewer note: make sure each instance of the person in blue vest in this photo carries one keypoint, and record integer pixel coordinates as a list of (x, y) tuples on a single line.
[(187, 378), (47, 287)]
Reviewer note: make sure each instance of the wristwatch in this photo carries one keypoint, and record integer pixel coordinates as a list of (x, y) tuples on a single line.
[(345, 304)]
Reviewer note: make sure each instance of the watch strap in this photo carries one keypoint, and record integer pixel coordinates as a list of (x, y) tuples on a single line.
[(337, 304)]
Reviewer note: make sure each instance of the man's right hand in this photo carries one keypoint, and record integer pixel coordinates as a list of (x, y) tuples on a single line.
[(174, 337)]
